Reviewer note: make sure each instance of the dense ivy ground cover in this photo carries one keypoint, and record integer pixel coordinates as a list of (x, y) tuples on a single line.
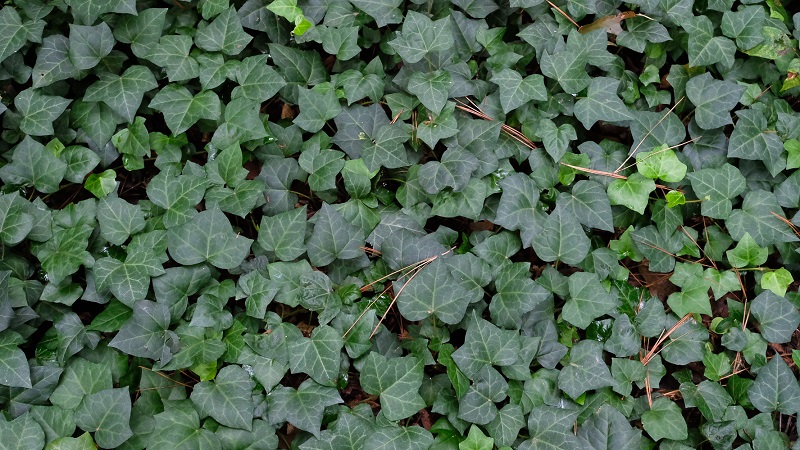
[(361, 224)]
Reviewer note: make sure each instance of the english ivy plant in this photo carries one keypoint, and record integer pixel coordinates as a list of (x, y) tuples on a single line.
[(426, 224)]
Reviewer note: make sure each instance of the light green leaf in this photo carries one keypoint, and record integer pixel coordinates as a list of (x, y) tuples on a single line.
[(39, 111), (661, 163), (775, 388), (101, 184), (107, 414), (124, 93), (318, 356), (694, 300), (715, 188), (601, 103), (396, 381), (304, 406), (713, 100), (516, 91), (633, 192), (561, 238), (88, 45), (208, 237), (181, 109), (224, 34), (476, 440), (777, 281), (420, 36), (778, 318), (227, 399), (588, 300), (747, 253)]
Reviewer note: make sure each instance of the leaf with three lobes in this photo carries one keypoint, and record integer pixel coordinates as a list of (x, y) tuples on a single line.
[(106, 413), (208, 237), (181, 109), (318, 356), (333, 238), (227, 399), (302, 407), (433, 291), (224, 33), (39, 111), (396, 381), (123, 93)]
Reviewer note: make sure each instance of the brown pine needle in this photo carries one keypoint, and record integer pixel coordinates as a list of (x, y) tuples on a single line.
[(787, 222), (664, 335), (660, 151), (566, 16), (512, 132), (608, 174)]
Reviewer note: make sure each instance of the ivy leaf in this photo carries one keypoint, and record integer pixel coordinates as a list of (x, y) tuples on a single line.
[(561, 238), (318, 356), (257, 81), (704, 48), (586, 369), (476, 440), (141, 31), (208, 237), (89, 44), (516, 295), (396, 381), (713, 100), (224, 34), (608, 429), (316, 108), (23, 431), (66, 252), (601, 103), (715, 188), (661, 163), (53, 62), (777, 281), (15, 222), (384, 12), (14, 368), (399, 438), (516, 91), (32, 164), (431, 88), (556, 139), (420, 36), (664, 420), (123, 93), (227, 399), (284, 234), (178, 193), (242, 123), (181, 109), (478, 404), (172, 53), (333, 238), (750, 140), (777, 316), (304, 406), (775, 388), (589, 203), (588, 300), (747, 253), (13, 33), (39, 111), (106, 413), (146, 333), (485, 344), (550, 427), (323, 166), (129, 281), (744, 25), (453, 171), (178, 426), (568, 68), (433, 291), (760, 216), (633, 192)]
